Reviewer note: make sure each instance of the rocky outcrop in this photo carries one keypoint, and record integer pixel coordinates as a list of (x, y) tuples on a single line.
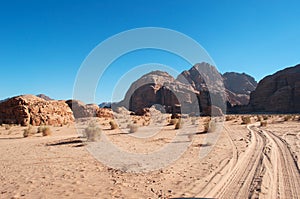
[(194, 91), (159, 87), (104, 113), (81, 109), (238, 87), (278, 93), (31, 110)]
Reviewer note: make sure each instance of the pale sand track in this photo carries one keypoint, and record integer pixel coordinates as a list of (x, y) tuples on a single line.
[(267, 162)]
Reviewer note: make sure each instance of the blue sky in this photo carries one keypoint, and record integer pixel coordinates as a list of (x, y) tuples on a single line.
[(43, 43)]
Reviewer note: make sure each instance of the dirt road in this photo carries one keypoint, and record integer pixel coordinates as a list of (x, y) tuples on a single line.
[(265, 170)]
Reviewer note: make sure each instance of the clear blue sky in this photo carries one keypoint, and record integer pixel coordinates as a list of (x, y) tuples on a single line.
[(43, 43)]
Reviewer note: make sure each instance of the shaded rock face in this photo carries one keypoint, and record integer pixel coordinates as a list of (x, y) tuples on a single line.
[(151, 94), (159, 87), (278, 93), (45, 97), (238, 87), (81, 109), (31, 110), (191, 92)]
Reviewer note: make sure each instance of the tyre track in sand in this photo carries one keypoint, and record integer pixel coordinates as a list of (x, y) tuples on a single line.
[(284, 172), (267, 163)]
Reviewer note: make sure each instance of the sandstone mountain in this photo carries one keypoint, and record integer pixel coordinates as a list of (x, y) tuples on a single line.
[(278, 93), (238, 87), (159, 87), (194, 90), (31, 110)]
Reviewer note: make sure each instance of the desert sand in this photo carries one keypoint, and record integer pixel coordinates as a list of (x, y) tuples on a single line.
[(247, 160)]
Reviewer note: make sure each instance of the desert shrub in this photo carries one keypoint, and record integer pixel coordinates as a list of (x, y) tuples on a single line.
[(263, 123), (40, 129), (46, 131), (92, 132), (229, 118), (193, 120), (7, 126), (173, 121), (287, 118), (28, 132), (179, 124), (113, 125), (246, 120), (133, 128), (265, 117)]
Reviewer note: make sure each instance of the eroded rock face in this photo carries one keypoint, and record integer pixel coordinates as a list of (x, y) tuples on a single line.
[(31, 110), (278, 93), (159, 87), (238, 87), (81, 109)]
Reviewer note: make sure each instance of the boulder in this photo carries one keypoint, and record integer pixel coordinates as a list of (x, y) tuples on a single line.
[(31, 110)]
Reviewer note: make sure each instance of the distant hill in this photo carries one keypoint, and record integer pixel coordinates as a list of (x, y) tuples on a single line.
[(45, 97)]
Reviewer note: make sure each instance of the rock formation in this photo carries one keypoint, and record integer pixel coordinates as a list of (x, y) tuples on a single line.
[(238, 87), (159, 87), (45, 97), (81, 110), (31, 110), (278, 93)]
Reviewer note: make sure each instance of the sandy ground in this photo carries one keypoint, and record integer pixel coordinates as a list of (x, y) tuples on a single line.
[(247, 161)]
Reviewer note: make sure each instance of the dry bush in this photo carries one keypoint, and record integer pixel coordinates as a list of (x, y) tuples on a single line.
[(133, 128), (28, 132), (179, 124), (92, 132), (287, 117), (229, 118), (46, 131), (113, 125), (263, 123), (7, 126), (193, 120), (246, 119), (265, 117), (173, 121)]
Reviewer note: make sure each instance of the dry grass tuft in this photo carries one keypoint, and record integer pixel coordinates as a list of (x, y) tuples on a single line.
[(133, 128), (179, 124), (92, 132), (246, 119), (7, 126), (173, 121), (263, 123), (28, 132), (46, 131), (113, 125)]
